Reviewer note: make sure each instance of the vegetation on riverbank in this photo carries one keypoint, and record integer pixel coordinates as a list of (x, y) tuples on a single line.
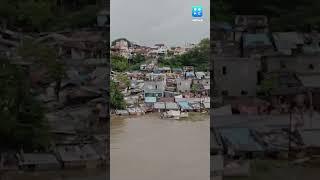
[(23, 124), (116, 97), (48, 15), (198, 57)]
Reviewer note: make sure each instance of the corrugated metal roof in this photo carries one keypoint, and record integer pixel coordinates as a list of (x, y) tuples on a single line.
[(311, 81), (159, 105), (150, 99), (171, 105), (185, 105), (240, 139), (286, 41), (256, 39)]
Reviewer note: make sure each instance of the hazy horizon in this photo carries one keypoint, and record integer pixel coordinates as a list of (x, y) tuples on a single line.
[(150, 22)]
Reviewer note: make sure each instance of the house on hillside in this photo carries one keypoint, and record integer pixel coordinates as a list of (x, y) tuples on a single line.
[(250, 24), (256, 45), (236, 76), (183, 85), (153, 89), (38, 161)]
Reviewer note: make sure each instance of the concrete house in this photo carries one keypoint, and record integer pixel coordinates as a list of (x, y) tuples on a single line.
[(250, 24), (153, 89), (288, 43), (73, 156), (222, 31), (38, 161), (184, 85), (298, 64), (236, 76), (256, 45), (200, 75)]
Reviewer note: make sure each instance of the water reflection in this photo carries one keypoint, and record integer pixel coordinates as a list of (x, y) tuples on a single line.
[(94, 174), (147, 147)]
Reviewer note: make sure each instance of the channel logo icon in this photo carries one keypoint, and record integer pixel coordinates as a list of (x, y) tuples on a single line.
[(197, 11)]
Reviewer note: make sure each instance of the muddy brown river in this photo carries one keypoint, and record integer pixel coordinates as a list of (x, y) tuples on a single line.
[(147, 147)]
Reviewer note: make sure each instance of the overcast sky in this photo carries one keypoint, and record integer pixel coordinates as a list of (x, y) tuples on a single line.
[(148, 22)]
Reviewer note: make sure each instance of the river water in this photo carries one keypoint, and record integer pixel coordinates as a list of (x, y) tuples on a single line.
[(147, 147)]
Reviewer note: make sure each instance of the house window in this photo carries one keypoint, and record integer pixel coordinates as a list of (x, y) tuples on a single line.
[(311, 66), (244, 93), (224, 70), (225, 93)]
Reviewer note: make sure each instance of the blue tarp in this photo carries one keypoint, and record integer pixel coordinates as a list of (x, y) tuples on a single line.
[(240, 138), (184, 105)]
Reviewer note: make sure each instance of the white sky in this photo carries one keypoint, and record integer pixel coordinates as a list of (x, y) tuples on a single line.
[(148, 22)]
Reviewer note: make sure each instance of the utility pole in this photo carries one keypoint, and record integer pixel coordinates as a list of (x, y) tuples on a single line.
[(289, 136)]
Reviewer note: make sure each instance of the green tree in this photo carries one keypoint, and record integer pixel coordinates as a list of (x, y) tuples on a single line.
[(123, 78), (138, 59), (46, 57), (119, 64), (195, 88), (116, 98), (23, 124), (36, 14), (197, 57)]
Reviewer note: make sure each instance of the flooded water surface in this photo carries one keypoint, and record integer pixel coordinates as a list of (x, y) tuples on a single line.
[(147, 147)]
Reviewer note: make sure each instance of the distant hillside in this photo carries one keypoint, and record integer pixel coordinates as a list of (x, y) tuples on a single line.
[(48, 15), (284, 15)]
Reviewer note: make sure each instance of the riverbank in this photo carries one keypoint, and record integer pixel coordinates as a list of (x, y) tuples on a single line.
[(193, 116)]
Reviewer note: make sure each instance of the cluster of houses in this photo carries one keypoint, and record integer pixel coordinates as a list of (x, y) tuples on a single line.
[(266, 93), (125, 48), (164, 89), (77, 113)]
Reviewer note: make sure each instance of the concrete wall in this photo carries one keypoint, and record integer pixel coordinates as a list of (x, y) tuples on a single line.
[(201, 81), (183, 85), (299, 64), (240, 75)]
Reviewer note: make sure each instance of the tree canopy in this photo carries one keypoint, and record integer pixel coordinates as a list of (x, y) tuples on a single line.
[(284, 15), (48, 15), (116, 98), (23, 124), (198, 57)]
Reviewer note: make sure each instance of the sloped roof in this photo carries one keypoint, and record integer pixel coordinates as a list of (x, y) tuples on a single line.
[(38, 158), (256, 39), (310, 81), (171, 105), (286, 41), (240, 139), (159, 105)]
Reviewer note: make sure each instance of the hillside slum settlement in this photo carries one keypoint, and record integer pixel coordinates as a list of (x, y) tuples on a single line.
[(156, 88), (173, 94), (266, 95), (77, 110)]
